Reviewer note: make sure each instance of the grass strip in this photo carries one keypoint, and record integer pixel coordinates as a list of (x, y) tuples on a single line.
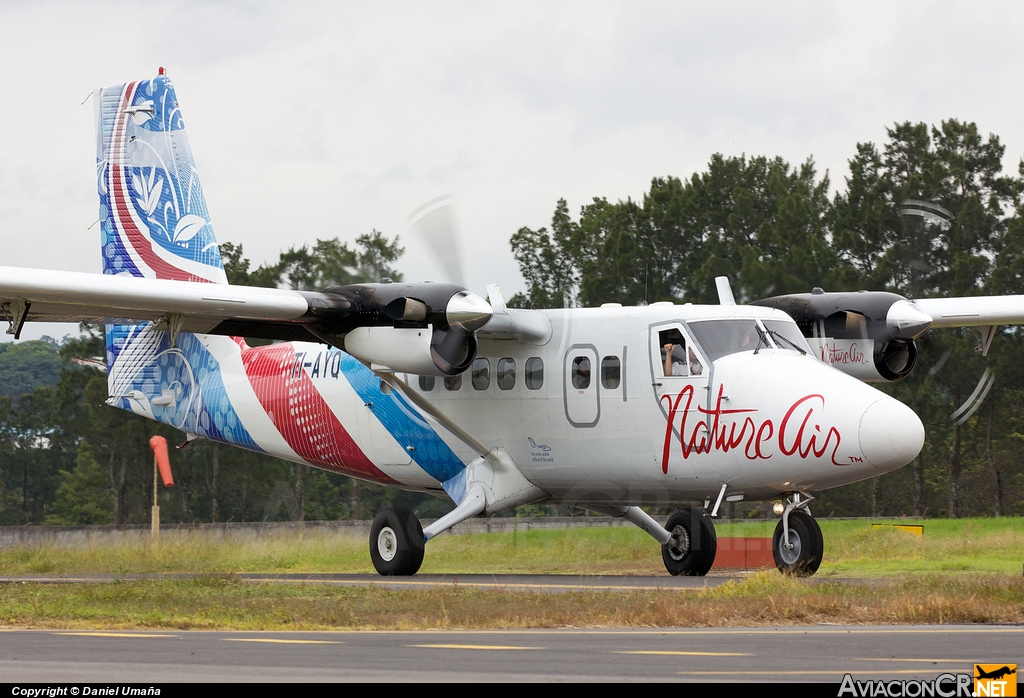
[(766, 598), (852, 548)]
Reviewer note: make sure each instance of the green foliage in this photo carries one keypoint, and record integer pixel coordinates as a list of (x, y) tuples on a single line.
[(981, 546), (756, 219), (84, 496), (329, 263), (25, 366)]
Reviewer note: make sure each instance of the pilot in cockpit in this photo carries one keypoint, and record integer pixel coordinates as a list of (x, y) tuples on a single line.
[(673, 353), (677, 360)]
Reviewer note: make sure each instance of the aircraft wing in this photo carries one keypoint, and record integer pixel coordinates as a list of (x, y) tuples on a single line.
[(43, 295), (973, 311), (408, 327)]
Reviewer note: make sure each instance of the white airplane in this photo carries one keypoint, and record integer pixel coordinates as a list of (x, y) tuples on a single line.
[(428, 387)]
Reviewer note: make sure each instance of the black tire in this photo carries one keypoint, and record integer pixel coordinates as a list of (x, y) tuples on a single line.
[(804, 558), (692, 551), (396, 543)]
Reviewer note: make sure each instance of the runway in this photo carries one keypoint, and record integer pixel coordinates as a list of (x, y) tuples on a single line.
[(821, 653), (802, 654)]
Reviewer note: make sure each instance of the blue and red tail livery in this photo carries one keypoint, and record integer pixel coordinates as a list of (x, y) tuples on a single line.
[(152, 211)]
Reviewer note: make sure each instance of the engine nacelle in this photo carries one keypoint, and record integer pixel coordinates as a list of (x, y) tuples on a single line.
[(868, 334), (422, 328), (867, 359), (423, 351)]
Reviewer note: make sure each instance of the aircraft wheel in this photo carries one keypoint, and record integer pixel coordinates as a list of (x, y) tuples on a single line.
[(396, 543), (691, 552), (803, 556)]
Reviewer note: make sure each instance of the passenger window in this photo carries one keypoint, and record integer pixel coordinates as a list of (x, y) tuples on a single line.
[(481, 374), (610, 370), (453, 382), (581, 372), (534, 373), (506, 374), (426, 383)]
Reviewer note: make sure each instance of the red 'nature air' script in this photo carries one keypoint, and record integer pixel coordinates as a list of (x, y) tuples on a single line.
[(800, 431)]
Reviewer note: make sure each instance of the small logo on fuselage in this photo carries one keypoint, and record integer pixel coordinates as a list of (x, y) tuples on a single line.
[(540, 453)]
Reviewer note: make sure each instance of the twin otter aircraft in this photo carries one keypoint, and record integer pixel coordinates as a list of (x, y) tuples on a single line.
[(429, 387)]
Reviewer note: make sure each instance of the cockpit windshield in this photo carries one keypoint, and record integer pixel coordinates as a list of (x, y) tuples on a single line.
[(720, 338), (786, 335)]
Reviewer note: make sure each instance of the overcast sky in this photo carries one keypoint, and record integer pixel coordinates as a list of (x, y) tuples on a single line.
[(320, 119)]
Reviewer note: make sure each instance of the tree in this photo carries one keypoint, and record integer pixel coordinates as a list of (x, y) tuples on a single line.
[(548, 262), (25, 366), (84, 496), (755, 220), (329, 263)]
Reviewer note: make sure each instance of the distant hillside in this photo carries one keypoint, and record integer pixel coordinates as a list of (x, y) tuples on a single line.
[(25, 366)]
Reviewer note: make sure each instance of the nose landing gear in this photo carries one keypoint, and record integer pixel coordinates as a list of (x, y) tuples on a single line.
[(797, 545)]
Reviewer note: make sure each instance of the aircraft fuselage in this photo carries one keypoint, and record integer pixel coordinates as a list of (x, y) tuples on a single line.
[(589, 416)]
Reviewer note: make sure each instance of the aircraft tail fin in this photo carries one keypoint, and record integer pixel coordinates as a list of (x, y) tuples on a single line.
[(153, 214), (154, 224)]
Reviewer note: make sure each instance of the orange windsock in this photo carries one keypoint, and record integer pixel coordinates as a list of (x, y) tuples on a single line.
[(163, 461)]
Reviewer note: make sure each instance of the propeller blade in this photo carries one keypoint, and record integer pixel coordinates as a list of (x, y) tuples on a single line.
[(435, 223)]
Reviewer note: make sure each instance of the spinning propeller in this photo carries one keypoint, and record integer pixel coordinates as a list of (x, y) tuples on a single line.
[(424, 328)]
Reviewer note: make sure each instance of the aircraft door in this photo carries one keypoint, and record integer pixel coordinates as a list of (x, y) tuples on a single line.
[(581, 386), (680, 374)]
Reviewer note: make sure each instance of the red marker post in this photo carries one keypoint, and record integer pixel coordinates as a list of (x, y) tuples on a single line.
[(161, 465)]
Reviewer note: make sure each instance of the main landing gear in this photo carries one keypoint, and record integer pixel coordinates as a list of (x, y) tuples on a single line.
[(396, 543), (691, 550), (797, 545)]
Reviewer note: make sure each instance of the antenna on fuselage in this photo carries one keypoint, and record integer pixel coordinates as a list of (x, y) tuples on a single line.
[(725, 296)]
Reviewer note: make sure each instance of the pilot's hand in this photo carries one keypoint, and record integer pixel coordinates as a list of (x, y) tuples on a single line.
[(669, 347)]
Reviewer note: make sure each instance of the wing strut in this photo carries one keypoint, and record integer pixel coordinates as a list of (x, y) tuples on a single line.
[(491, 483), (441, 418)]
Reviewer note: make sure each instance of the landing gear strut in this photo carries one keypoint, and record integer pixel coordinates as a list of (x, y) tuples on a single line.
[(800, 553), (396, 543), (693, 546)]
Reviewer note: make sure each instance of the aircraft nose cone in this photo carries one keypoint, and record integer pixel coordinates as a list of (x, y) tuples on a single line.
[(891, 434)]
